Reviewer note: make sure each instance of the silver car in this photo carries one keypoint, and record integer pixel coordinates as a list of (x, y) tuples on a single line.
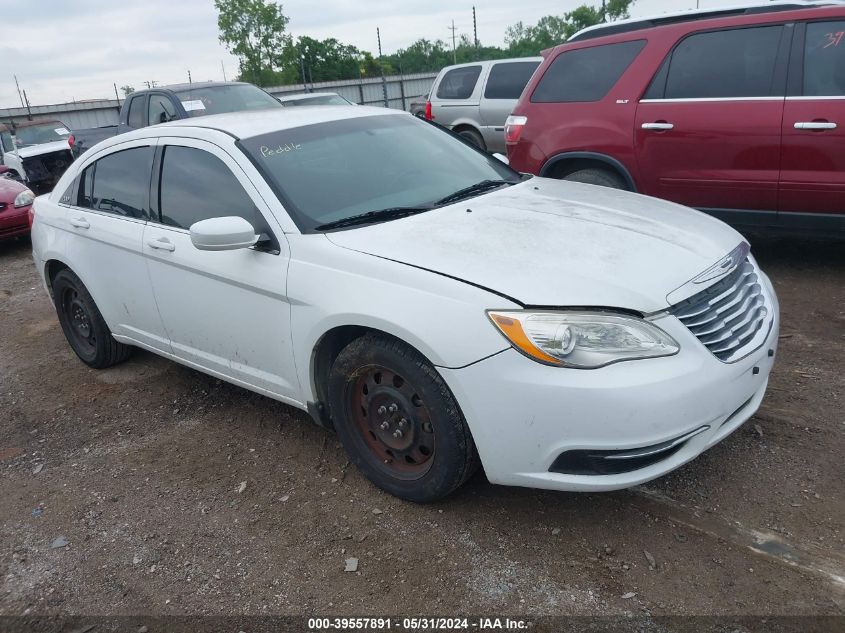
[(475, 99)]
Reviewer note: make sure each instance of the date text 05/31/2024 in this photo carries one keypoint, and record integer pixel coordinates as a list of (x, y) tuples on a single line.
[(419, 623)]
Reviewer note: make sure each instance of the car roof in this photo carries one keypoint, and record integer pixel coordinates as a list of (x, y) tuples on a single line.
[(487, 62), (633, 25), (255, 123), (306, 95)]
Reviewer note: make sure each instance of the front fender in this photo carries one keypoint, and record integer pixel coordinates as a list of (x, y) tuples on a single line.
[(330, 286)]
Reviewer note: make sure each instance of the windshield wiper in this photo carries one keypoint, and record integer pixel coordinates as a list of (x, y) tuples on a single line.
[(379, 215), (478, 187)]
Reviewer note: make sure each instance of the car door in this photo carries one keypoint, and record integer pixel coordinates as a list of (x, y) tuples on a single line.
[(505, 83), (224, 311), (707, 131), (107, 211), (812, 178)]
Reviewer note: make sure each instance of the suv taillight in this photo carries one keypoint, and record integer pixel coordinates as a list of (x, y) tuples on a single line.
[(70, 141), (30, 214), (513, 128), (428, 114)]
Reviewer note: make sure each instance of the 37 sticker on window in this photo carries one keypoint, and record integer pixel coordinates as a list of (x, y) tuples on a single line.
[(833, 39)]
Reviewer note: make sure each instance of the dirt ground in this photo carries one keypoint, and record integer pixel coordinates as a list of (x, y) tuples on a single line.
[(138, 469)]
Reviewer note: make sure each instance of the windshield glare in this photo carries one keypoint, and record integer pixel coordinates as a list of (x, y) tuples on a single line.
[(332, 171), (41, 133), (201, 100)]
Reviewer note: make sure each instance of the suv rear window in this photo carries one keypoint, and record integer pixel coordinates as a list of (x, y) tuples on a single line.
[(507, 80), (724, 64), (585, 74), (458, 83)]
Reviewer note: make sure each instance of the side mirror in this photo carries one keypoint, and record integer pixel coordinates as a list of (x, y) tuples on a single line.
[(223, 234), (502, 158)]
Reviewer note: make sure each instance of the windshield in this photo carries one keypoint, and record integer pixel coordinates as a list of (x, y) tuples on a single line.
[(41, 133), (331, 171), (321, 100), (200, 100)]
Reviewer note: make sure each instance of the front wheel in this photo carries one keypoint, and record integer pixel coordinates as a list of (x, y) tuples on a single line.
[(473, 137), (398, 421), (83, 325), (593, 176)]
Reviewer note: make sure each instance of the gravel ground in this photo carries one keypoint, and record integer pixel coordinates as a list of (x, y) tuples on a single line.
[(150, 488)]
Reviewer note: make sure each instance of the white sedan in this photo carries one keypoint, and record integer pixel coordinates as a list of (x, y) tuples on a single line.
[(437, 309)]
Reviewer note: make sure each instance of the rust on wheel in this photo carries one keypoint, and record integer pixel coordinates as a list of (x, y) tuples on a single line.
[(393, 422)]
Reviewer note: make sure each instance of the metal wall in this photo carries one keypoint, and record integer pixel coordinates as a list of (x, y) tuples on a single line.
[(401, 90)]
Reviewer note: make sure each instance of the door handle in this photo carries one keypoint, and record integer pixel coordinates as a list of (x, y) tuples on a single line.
[(80, 223), (162, 244), (815, 125), (661, 125)]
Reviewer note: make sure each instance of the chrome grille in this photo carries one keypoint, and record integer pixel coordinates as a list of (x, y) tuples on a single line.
[(729, 316)]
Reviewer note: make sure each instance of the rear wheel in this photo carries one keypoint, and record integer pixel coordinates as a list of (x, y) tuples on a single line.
[(473, 137), (597, 176), (83, 325), (398, 421)]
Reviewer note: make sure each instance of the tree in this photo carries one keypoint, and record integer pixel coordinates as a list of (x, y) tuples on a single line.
[(254, 31), (551, 30), (127, 90)]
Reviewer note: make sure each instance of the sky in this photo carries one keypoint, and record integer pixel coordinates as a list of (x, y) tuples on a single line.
[(71, 50)]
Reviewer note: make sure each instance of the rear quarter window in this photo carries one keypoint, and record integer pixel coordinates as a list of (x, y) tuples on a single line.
[(136, 112), (507, 80), (585, 74), (458, 83)]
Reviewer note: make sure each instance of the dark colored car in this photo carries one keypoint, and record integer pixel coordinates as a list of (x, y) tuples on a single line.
[(15, 207), (740, 113), (169, 103)]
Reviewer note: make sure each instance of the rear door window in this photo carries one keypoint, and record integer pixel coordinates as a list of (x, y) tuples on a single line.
[(458, 83), (508, 79), (136, 112), (586, 74), (724, 64), (118, 183), (824, 59)]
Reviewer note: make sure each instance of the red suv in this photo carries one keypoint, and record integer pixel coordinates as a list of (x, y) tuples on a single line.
[(740, 113)]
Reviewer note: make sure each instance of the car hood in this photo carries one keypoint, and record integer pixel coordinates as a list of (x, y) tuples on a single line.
[(553, 243), (43, 148), (9, 189)]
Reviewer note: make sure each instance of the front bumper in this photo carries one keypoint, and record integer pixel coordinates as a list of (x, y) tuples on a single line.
[(524, 415)]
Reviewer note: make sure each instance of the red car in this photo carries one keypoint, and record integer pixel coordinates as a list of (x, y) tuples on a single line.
[(15, 207), (737, 112)]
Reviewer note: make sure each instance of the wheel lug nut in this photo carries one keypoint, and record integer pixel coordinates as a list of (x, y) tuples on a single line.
[(397, 434), (393, 408), (385, 425), (382, 410), (402, 423)]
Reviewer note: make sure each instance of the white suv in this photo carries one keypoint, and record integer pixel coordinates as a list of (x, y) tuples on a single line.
[(476, 99), (435, 307)]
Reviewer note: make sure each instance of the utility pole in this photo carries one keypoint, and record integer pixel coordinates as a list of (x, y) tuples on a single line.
[(223, 68), (28, 110), (381, 69), (603, 11), (116, 95), (474, 29), (454, 51), (17, 85), (189, 77)]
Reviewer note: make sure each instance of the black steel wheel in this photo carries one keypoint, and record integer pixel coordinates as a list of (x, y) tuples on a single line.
[(398, 421), (83, 325)]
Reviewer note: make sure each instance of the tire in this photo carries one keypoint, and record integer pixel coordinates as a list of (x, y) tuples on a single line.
[(473, 137), (83, 325), (601, 177), (379, 387)]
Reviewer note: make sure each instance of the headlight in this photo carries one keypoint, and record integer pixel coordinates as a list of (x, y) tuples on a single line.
[(24, 198), (582, 339)]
